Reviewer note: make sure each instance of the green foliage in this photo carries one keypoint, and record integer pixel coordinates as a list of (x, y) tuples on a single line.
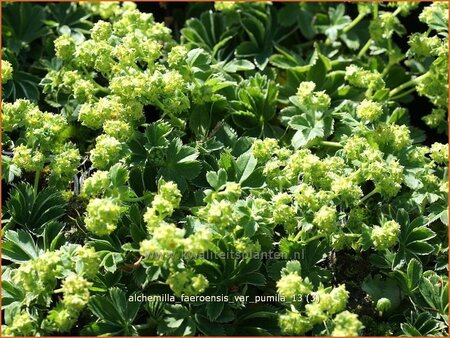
[(250, 168)]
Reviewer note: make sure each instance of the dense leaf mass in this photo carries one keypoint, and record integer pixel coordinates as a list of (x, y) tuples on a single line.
[(248, 168)]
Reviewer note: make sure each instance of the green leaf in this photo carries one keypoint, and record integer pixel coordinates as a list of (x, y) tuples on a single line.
[(308, 129), (438, 211), (22, 86), (103, 308), (351, 39), (217, 179), (256, 102), (434, 289), (181, 164), (71, 15), (261, 320), (255, 180), (211, 33), (177, 322), (19, 246), (245, 165), (200, 120), (409, 330), (209, 327), (238, 65), (289, 14), (118, 175), (111, 261), (422, 324), (9, 170), (378, 287), (53, 235), (252, 278), (157, 134), (321, 65), (306, 19), (311, 255), (282, 61), (214, 309), (414, 274), (23, 23), (414, 237), (128, 310), (11, 293), (198, 60), (32, 211)]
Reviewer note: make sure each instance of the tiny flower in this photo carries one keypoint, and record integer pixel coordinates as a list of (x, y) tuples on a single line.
[(107, 151), (294, 324), (385, 236), (263, 149), (369, 111), (439, 153), (325, 219), (7, 71), (76, 292), (383, 305), (291, 286), (346, 324), (102, 216), (65, 47)]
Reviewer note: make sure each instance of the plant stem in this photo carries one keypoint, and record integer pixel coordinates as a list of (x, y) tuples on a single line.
[(364, 49), (405, 85), (356, 21), (138, 199), (101, 88), (409, 91), (397, 11), (8, 225), (335, 63), (297, 237), (370, 194), (330, 144), (313, 238), (37, 175), (143, 326), (337, 72)]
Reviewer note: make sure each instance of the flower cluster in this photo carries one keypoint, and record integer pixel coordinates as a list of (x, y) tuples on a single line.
[(294, 323), (102, 215), (385, 26), (23, 324), (291, 285), (76, 292), (141, 64), (362, 78), (168, 245), (326, 302), (192, 157), (310, 99), (44, 141), (74, 265), (346, 324), (7, 71), (263, 149), (369, 111), (439, 153), (385, 236), (187, 282), (163, 205), (434, 83)]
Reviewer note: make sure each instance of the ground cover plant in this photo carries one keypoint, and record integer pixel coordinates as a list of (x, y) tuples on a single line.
[(249, 168)]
